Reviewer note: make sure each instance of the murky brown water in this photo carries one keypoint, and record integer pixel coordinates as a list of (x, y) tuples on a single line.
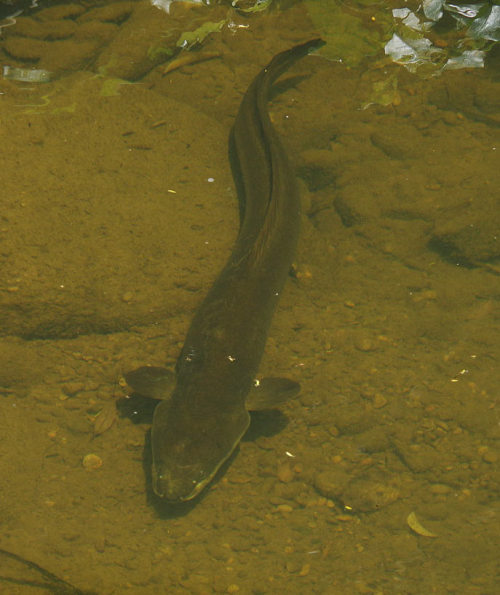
[(111, 231)]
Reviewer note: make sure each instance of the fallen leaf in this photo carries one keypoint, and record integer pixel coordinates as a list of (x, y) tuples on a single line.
[(105, 418)]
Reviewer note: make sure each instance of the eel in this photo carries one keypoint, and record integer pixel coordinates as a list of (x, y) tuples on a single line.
[(197, 426)]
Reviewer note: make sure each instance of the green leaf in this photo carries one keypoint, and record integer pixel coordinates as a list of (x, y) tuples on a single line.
[(191, 38), (257, 7)]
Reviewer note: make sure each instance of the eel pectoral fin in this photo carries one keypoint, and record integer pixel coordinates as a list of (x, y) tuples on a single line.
[(151, 381)]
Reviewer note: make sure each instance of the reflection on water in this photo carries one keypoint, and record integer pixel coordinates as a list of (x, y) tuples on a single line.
[(118, 210)]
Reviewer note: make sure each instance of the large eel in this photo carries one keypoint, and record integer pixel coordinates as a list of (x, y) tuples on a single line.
[(198, 426)]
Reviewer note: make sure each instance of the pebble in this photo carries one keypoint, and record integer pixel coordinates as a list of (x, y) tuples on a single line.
[(105, 418), (91, 462), (71, 388), (440, 488), (364, 343), (293, 567), (45, 394), (285, 473), (100, 544), (490, 457), (379, 401), (284, 508)]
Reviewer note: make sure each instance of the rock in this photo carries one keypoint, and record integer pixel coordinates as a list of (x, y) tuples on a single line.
[(71, 278), (331, 483), (91, 462), (373, 440), (131, 54), (469, 241), (365, 495), (400, 142), (419, 457), (285, 473), (61, 11), (60, 55), (116, 12), (355, 204), (23, 48), (49, 30), (368, 493), (318, 168)]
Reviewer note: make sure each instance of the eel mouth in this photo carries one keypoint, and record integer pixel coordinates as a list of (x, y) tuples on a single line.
[(183, 483), (178, 490)]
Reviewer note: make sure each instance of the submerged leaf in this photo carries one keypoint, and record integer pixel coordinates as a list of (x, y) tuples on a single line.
[(105, 419), (258, 6), (191, 38)]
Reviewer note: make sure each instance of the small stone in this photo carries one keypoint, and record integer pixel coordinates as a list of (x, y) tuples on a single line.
[(284, 508), (285, 473), (424, 295), (100, 544), (331, 483), (24, 48), (490, 457), (91, 462), (292, 566), (365, 343), (440, 489), (379, 401), (71, 388), (320, 168), (399, 143)]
